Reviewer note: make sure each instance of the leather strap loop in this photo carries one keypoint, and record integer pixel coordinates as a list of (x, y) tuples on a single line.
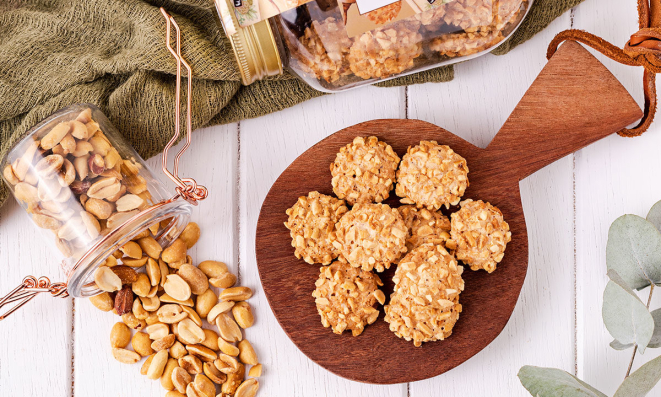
[(643, 49)]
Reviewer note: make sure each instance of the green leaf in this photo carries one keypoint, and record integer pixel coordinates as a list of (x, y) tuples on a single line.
[(642, 381), (552, 382), (625, 316), (654, 216), (634, 251), (655, 342), (621, 346)]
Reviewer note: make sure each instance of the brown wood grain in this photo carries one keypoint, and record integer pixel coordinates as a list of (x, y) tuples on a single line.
[(574, 102)]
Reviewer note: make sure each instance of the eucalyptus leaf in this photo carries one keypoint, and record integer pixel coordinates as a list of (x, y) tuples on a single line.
[(642, 381), (625, 316), (552, 382), (655, 342), (621, 346), (634, 251), (654, 216)]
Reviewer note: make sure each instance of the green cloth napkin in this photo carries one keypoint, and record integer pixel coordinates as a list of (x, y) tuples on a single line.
[(54, 53)]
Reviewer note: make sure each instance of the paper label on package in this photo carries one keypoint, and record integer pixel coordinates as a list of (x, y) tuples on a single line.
[(249, 12)]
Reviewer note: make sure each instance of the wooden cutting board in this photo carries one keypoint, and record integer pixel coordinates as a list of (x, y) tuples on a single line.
[(575, 101)]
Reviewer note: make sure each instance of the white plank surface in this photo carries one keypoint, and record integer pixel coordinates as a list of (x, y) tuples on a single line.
[(612, 179), (569, 206)]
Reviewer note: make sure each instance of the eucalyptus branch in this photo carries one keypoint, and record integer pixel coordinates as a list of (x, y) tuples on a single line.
[(635, 348)]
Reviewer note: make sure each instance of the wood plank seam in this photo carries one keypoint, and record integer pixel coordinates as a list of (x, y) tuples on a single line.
[(237, 195)]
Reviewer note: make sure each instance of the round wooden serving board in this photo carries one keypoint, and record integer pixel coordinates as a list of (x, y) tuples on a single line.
[(574, 101)]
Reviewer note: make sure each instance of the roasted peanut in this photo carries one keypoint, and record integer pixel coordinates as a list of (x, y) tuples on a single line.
[(157, 331), (126, 274), (165, 298), (142, 344), (150, 303), (153, 271), (189, 332), (178, 350), (190, 235), (151, 247), (213, 374), (205, 303), (228, 348), (164, 343), (132, 250), (146, 364), (205, 354), (180, 379), (229, 330), (99, 208), (221, 307), (227, 364), (141, 286), (139, 311), (170, 314), (204, 386), (192, 314), (191, 364), (175, 252), (157, 365), (243, 315), (120, 335), (255, 371), (233, 380), (248, 388), (125, 356), (224, 281), (246, 353), (103, 301), (197, 281), (177, 287), (210, 340), (107, 280), (166, 378), (213, 269), (133, 322), (235, 294), (135, 262)]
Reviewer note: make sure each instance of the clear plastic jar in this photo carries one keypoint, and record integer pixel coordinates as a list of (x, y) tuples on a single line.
[(89, 192), (312, 42)]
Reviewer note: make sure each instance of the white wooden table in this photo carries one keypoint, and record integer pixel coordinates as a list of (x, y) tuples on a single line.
[(59, 348)]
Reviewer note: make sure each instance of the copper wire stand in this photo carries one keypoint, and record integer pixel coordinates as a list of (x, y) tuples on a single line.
[(186, 188)]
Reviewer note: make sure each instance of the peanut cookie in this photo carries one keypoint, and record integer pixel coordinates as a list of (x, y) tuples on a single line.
[(469, 15), (312, 227), (364, 171), (425, 227), (432, 19), (323, 49), (424, 305), (431, 175), (346, 296), (479, 235), (371, 236), (464, 44), (385, 14), (386, 51)]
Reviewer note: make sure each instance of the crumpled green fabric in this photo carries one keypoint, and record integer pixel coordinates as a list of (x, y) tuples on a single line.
[(54, 53)]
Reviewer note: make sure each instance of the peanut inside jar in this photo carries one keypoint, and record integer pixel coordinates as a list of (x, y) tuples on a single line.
[(444, 32), (76, 179)]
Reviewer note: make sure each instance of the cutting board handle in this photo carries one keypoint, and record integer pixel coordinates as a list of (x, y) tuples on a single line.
[(573, 102)]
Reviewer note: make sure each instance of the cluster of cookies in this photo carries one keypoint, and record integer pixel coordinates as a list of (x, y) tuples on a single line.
[(357, 243), (448, 29)]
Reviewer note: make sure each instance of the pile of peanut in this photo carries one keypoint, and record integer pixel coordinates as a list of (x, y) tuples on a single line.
[(161, 295), (74, 182)]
